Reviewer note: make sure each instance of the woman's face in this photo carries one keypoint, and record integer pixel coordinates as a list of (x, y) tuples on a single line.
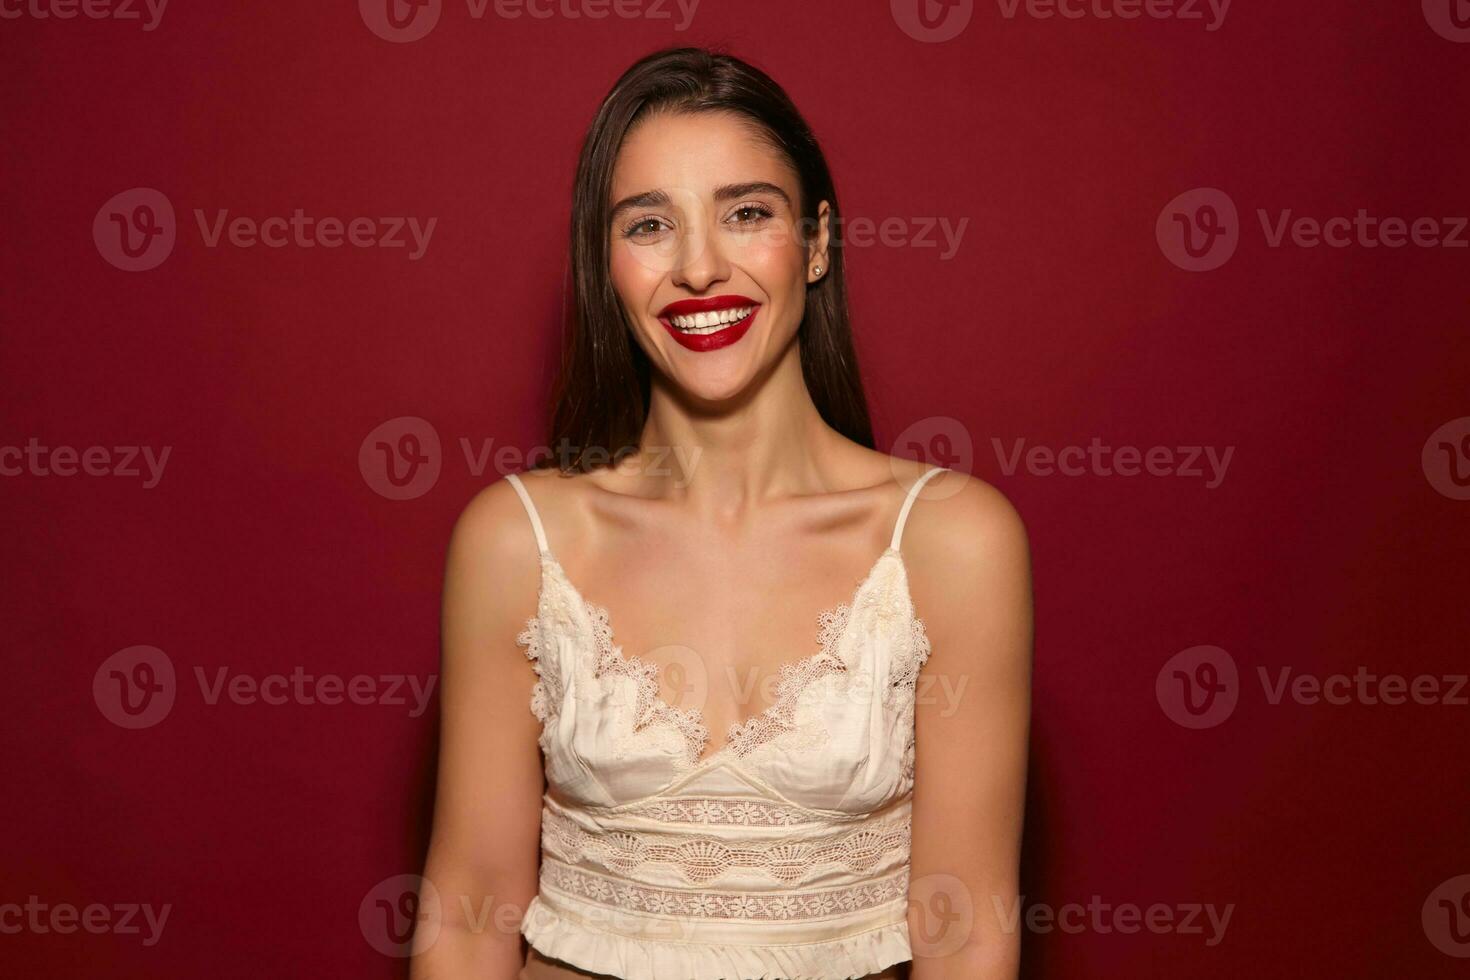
[(706, 249)]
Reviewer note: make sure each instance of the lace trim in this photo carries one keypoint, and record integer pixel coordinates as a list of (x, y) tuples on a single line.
[(744, 737), (723, 812), (629, 897), (649, 709), (546, 693), (776, 720), (747, 736), (702, 859), (905, 677)]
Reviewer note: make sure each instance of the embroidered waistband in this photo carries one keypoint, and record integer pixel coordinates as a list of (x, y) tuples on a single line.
[(701, 859), (617, 895)]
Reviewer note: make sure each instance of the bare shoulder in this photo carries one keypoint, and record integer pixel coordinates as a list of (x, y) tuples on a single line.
[(961, 520), (492, 571), (494, 529), (969, 560)]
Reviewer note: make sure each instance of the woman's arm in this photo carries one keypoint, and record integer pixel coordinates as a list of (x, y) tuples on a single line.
[(484, 847), (972, 579)]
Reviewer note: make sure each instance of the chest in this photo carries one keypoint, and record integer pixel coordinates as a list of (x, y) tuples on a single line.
[(833, 732)]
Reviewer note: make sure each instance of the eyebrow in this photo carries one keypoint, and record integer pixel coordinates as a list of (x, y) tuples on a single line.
[(725, 192)]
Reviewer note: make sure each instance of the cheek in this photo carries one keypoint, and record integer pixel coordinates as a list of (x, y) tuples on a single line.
[(774, 252), (778, 265), (635, 276)]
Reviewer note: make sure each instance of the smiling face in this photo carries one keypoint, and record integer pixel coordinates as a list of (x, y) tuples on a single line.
[(706, 251)]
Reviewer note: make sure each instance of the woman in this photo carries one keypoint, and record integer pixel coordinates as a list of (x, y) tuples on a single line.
[(696, 775)]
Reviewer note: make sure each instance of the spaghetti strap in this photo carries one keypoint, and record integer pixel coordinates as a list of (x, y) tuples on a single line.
[(541, 545), (908, 503)]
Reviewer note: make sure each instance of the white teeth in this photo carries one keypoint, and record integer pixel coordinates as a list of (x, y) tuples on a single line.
[(704, 323)]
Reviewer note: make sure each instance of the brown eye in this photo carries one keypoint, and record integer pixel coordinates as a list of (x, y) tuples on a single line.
[(748, 213), (643, 228)]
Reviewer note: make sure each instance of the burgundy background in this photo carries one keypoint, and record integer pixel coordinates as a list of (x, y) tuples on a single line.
[(265, 548)]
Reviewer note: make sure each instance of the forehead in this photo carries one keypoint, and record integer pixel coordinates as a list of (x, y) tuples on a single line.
[(696, 152)]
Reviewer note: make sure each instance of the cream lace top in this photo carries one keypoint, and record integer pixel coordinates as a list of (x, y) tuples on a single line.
[(783, 854)]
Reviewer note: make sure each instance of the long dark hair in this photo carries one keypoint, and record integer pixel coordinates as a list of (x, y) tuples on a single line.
[(601, 398)]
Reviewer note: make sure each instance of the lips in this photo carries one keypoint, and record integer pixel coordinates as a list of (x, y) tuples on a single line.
[(709, 324)]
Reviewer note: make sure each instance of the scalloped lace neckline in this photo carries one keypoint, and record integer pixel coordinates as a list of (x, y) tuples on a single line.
[(833, 624)]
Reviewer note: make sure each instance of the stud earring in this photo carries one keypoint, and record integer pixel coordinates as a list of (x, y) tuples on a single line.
[(817, 271)]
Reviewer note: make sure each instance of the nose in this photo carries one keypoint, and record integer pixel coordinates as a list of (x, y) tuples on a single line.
[(700, 261)]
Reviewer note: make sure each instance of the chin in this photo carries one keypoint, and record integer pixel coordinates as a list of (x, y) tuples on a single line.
[(713, 383)]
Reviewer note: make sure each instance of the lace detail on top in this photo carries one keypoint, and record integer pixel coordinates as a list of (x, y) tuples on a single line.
[(546, 693), (725, 813), (815, 903), (780, 717), (745, 736), (702, 859), (649, 708), (902, 691)]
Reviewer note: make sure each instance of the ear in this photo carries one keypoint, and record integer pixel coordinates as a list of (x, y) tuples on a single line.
[(816, 253)]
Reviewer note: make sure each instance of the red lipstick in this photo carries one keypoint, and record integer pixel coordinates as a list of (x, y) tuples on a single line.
[(709, 334)]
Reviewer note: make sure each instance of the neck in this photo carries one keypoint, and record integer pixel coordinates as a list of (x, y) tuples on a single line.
[(769, 442)]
